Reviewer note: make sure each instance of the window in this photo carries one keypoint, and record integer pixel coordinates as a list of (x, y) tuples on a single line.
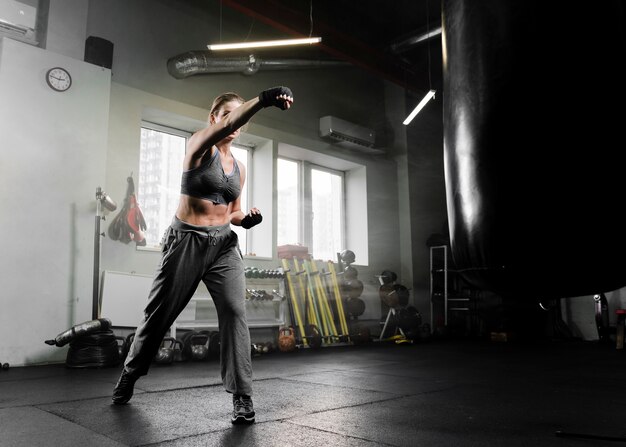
[(288, 204), (160, 168), (310, 207), (327, 213)]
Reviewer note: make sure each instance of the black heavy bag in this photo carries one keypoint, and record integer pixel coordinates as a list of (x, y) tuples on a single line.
[(534, 94)]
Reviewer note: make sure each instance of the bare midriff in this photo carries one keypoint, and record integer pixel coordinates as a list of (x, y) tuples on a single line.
[(202, 212)]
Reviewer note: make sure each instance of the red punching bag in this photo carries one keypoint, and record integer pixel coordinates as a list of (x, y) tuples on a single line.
[(534, 94)]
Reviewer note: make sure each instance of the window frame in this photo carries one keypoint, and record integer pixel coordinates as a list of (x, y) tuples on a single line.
[(150, 125), (308, 167), (167, 130), (305, 197)]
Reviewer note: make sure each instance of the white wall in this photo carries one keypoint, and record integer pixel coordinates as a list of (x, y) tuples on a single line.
[(52, 158), (67, 27)]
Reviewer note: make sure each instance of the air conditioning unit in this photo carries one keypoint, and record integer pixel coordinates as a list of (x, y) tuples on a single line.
[(348, 134)]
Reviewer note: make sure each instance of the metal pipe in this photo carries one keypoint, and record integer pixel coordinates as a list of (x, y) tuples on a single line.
[(194, 63), (95, 308)]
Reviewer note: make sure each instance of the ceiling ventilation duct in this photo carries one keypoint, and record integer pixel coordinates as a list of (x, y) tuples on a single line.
[(201, 62)]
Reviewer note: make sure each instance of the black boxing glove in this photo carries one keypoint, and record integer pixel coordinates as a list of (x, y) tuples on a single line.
[(269, 98), (251, 220)]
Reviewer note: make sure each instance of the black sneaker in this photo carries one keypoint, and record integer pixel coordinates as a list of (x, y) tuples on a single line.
[(243, 411), (124, 389)]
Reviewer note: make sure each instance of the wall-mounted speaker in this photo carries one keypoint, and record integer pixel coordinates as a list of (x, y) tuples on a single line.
[(99, 51)]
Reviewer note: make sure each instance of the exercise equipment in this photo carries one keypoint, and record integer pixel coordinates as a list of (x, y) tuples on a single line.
[(387, 277), (396, 320), (92, 343), (540, 225), (323, 300), (388, 295), (121, 347), (293, 301), (5, 366), (353, 288), (165, 354), (102, 200), (79, 330), (350, 272), (355, 306), (94, 350), (347, 256), (129, 224), (338, 298), (199, 346), (178, 351), (195, 345), (286, 339), (402, 293), (316, 317)]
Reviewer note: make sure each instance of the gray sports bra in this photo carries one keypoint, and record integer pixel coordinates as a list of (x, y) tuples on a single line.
[(209, 181)]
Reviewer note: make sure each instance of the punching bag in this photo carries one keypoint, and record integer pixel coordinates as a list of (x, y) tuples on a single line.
[(534, 97)]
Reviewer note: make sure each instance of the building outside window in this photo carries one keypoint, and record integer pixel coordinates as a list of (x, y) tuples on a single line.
[(160, 168)]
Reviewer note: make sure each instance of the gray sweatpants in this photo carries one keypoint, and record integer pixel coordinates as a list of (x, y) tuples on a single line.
[(192, 254)]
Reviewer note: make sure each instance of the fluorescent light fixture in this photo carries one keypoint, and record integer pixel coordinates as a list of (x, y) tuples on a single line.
[(264, 43), (425, 99)]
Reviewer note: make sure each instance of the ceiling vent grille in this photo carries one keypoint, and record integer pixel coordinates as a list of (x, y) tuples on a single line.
[(350, 134)]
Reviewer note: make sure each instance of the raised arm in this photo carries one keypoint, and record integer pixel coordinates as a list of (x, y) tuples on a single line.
[(216, 131), (204, 139)]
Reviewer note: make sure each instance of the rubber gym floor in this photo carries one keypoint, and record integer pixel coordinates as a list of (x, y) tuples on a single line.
[(434, 393)]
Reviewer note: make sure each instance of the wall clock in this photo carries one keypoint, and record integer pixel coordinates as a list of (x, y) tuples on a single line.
[(59, 79)]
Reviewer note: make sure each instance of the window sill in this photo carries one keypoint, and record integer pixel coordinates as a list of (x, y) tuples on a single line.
[(147, 248)]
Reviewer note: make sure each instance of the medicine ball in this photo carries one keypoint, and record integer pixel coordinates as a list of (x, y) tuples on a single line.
[(387, 276), (347, 256)]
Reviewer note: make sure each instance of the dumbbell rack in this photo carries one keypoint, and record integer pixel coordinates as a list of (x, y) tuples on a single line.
[(200, 313)]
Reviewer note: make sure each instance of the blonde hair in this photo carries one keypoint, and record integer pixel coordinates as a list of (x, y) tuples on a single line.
[(223, 99)]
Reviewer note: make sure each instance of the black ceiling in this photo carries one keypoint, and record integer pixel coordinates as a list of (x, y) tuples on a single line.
[(380, 36)]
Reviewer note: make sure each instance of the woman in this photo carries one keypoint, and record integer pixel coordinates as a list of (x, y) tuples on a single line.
[(199, 246)]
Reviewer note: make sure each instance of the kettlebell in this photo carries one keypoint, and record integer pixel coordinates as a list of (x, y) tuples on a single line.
[(199, 349), (286, 339), (178, 351), (165, 355), (121, 346)]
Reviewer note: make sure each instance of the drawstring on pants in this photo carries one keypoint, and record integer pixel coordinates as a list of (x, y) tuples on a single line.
[(213, 237)]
